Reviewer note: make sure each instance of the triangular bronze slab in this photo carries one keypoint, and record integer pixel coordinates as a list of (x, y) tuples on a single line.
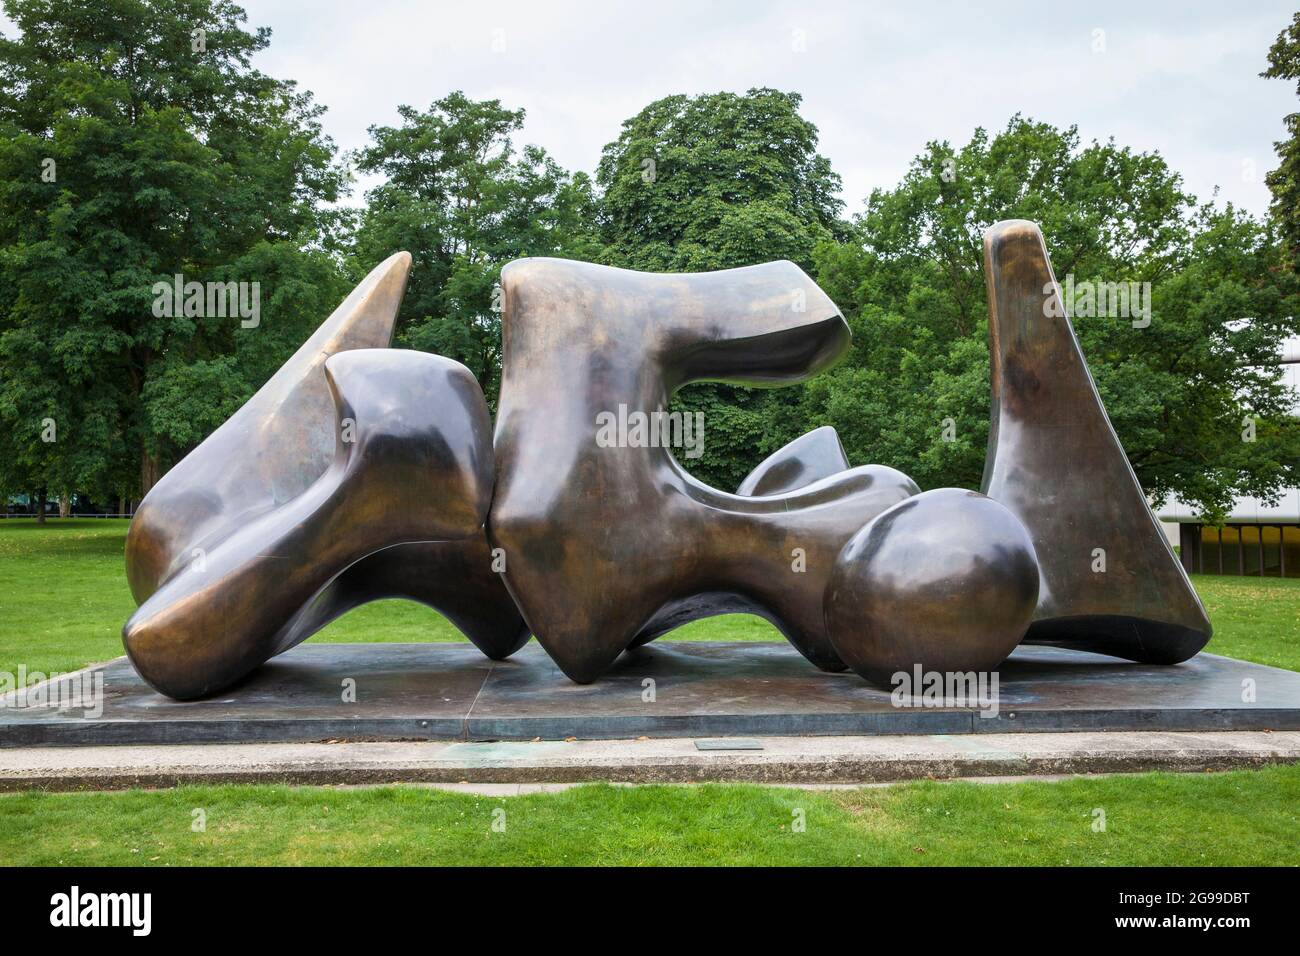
[(1055, 461)]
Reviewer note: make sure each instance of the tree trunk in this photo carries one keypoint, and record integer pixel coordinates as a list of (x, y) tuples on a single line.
[(150, 471), (121, 505), (65, 505), (41, 497)]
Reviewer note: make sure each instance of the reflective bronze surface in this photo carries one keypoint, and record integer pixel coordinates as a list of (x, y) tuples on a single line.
[(268, 453), (946, 580), (418, 468), (1055, 462), (360, 472), (809, 458), (609, 545)]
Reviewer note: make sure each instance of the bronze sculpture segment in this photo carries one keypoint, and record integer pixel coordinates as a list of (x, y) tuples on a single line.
[(601, 540), (268, 452), (278, 523), (413, 463), (810, 457), (946, 581), (1054, 460), (275, 447), (454, 578)]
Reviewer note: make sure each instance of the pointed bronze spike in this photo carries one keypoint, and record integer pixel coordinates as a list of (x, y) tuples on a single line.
[(1110, 583)]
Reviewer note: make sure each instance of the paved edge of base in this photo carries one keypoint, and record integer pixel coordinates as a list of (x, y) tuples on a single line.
[(796, 761)]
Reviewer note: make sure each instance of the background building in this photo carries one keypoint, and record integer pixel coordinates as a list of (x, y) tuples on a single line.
[(1257, 538)]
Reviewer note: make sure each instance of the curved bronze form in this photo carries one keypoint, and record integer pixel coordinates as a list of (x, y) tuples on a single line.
[(608, 545), (1055, 462), (416, 469), (947, 580), (455, 578), (360, 472), (811, 457), (268, 453)]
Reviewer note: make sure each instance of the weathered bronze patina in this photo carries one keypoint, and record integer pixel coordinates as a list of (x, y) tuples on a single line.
[(606, 546), (947, 579)]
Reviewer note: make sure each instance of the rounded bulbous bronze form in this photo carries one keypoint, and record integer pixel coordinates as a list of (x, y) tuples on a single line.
[(947, 580)]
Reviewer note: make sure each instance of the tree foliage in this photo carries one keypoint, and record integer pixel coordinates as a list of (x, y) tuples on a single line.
[(715, 182), (463, 202), (136, 143), (1178, 390), (1284, 64)]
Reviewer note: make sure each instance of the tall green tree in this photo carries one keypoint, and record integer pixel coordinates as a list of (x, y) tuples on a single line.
[(1284, 64), (715, 182), (463, 201), (137, 142), (1179, 390)]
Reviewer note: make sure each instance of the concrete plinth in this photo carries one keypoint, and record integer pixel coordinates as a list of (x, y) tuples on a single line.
[(665, 690)]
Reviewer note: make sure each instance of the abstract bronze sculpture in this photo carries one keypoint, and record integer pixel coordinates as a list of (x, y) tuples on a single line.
[(360, 472), (947, 579), (271, 452), (410, 471), (1110, 582), (605, 544)]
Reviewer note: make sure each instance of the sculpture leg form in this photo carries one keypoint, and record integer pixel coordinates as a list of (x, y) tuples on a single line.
[(453, 577)]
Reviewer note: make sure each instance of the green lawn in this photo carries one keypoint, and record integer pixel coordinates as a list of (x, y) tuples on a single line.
[(1239, 818), (63, 599)]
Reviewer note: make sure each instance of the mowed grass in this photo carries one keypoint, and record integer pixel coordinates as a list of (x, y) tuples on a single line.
[(64, 598), (1238, 818), (1255, 619)]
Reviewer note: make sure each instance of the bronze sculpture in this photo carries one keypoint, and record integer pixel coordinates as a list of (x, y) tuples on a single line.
[(275, 448), (804, 461), (947, 579), (417, 470), (811, 457), (278, 522), (1110, 581), (605, 544)]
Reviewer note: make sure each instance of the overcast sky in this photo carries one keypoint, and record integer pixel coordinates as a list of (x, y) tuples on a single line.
[(878, 80)]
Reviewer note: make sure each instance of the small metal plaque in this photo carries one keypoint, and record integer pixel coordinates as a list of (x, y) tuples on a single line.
[(728, 743)]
